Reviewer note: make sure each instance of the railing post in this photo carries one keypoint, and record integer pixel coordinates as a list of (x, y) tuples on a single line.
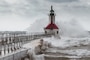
[(11, 44), (4, 46), (19, 41), (0, 46)]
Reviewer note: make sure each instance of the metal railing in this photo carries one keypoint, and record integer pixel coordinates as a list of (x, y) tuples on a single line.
[(10, 43)]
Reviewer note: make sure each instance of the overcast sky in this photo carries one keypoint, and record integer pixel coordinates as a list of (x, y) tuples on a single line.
[(18, 15)]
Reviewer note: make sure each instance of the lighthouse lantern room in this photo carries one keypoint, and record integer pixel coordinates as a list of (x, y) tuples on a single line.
[(51, 28)]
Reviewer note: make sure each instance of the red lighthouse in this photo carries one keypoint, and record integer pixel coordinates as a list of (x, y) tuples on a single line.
[(51, 28)]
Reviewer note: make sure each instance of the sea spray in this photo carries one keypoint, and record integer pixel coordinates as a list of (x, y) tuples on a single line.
[(71, 28), (33, 56)]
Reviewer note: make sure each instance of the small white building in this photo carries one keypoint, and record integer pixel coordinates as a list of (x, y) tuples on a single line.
[(52, 28)]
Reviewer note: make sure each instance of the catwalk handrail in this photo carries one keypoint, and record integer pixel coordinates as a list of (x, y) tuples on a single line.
[(14, 42)]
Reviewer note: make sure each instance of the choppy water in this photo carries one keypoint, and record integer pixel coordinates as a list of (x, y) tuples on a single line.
[(67, 58), (51, 55), (61, 58)]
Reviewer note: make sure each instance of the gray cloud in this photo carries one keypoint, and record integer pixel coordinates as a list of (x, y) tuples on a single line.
[(23, 8), (35, 8), (63, 1)]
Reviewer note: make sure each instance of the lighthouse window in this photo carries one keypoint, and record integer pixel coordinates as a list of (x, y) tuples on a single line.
[(57, 32), (45, 32)]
